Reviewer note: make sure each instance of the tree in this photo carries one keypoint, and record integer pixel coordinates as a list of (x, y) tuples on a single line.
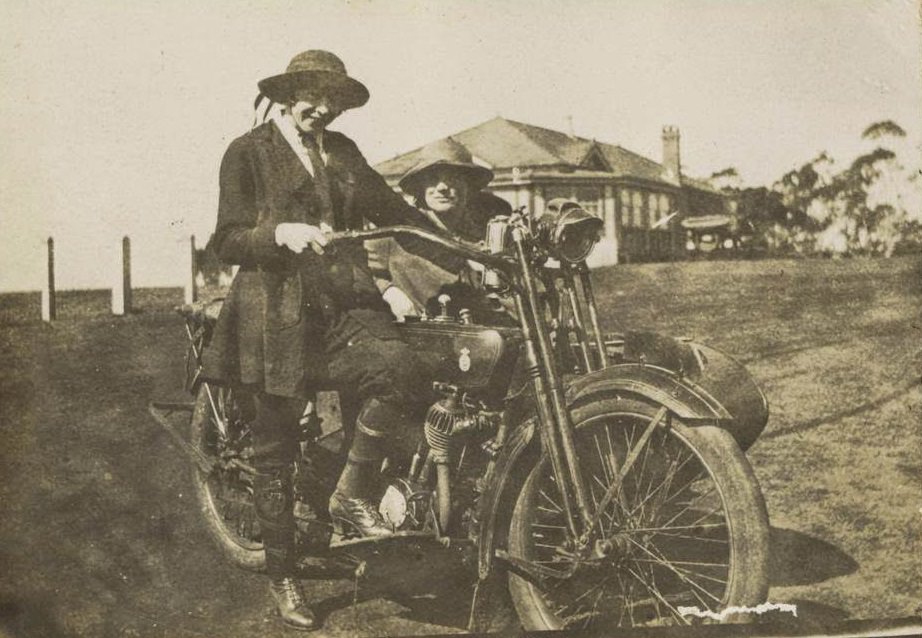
[(727, 179), (872, 206), (883, 129)]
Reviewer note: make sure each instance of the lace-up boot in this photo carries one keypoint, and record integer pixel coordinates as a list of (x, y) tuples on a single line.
[(357, 517), (289, 601)]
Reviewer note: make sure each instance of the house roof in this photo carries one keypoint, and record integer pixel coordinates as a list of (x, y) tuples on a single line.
[(501, 144)]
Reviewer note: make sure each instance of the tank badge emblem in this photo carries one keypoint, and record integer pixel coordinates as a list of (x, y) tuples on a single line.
[(464, 361)]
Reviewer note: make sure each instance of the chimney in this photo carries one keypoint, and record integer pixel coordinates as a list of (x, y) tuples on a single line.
[(671, 161)]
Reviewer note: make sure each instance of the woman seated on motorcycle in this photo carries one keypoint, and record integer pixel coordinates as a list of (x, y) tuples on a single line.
[(447, 187)]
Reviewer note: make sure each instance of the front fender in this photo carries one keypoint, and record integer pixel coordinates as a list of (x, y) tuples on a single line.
[(684, 398)]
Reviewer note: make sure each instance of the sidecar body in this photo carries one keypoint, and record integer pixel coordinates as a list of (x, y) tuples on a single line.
[(711, 373)]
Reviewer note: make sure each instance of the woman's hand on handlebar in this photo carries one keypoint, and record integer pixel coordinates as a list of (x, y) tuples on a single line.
[(297, 236), (400, 303)]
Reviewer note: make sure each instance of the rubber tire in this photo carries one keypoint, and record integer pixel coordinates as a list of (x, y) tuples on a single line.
[(745, 511), (251, 558)]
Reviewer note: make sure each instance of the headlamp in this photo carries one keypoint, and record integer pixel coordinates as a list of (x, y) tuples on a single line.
[(568, 232)]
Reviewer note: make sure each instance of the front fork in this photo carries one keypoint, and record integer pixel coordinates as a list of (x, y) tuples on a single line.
[(554, 424)]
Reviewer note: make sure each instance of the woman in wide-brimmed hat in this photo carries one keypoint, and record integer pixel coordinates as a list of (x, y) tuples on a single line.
[(293, 308), (447, 188)]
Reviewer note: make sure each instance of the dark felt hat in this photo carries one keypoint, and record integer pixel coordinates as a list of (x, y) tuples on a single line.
[(320, 70), (445, 153)]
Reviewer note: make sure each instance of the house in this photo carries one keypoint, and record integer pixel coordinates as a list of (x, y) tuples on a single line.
[(642, 202)]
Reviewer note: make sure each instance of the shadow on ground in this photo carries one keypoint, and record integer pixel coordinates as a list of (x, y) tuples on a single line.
[(863, 408), (799, 559), (432, 584)]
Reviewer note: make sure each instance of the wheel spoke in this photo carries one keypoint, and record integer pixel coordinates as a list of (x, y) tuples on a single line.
[(667, 482), (685, 571), (687, 507), (583, 595), (604, 461), (658, 596), (665, 563), (557, 508), (662, 537), (638, 530), (621, 584), (700, 539), (683, 562)]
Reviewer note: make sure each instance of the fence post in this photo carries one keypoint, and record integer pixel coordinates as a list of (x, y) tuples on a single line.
[(121, 289), (126, 274), (190, 291), (49, 305)]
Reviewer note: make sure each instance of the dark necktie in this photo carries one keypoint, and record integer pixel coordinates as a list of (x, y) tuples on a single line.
[(321, 180)]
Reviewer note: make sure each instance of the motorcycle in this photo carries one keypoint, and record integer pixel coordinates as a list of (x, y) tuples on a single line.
[(600, 479)]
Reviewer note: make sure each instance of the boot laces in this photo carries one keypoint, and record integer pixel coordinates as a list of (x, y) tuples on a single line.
[(291, 590), (368, 508)]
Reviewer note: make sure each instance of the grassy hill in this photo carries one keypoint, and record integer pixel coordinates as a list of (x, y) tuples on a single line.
[(98, 534)]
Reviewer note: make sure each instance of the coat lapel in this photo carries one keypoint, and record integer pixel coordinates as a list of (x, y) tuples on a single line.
[(291, 171)]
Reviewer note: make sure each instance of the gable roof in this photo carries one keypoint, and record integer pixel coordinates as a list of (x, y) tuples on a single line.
[(501, 144), (594, 159)]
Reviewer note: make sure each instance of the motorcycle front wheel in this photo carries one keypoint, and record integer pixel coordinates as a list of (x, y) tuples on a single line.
[(225, 495), (689, 530)]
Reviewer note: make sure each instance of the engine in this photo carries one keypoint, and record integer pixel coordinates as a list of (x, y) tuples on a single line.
[(475, 366), (453, 424), (450, 418)]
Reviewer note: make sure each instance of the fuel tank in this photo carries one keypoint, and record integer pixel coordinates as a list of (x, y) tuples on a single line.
[(473, 357)]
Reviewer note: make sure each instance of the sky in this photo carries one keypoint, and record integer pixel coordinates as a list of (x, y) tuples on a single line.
[(114, 115)]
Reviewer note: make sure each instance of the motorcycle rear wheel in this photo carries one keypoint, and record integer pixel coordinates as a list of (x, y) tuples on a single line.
[(691, 529), (225, 496)]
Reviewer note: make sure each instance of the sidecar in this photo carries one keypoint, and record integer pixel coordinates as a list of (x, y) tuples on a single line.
[(705, 369)]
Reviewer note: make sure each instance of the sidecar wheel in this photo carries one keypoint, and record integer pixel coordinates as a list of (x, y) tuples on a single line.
[(225, 496), (690, 531)]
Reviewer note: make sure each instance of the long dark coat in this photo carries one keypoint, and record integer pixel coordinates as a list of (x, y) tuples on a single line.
[(272, 329)]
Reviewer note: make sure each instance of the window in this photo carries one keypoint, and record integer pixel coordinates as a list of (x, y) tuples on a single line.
[(589, 198), (665, 209), (637, 201), (556, 190), (625, 207), (653, 207)]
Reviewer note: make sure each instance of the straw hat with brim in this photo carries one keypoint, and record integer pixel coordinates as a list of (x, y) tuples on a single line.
[(445, 154), (318, 70)]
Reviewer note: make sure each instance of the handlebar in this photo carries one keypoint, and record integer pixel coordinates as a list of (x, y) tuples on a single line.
[(465, 249)]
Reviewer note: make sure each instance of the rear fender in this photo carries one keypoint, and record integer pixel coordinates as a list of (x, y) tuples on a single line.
[(522, 450)]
